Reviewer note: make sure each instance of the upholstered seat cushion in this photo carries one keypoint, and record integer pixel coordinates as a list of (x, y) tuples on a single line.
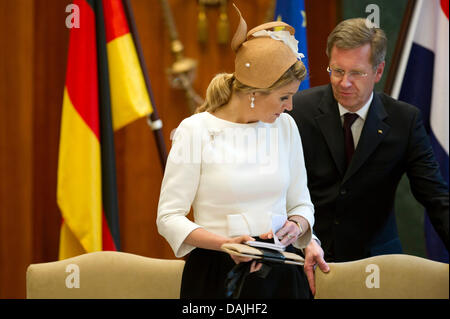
[(384, 277), (106, 275)]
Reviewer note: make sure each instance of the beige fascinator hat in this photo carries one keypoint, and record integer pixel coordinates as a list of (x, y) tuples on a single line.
[(265, 53)]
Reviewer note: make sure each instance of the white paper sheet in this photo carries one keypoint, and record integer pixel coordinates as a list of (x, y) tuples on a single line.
[(277, 222)]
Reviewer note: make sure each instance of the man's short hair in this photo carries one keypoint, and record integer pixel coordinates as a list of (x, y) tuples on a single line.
[(354, 33)]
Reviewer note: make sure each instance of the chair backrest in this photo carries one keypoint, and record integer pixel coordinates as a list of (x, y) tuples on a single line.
[(384, 277), (106, 275)]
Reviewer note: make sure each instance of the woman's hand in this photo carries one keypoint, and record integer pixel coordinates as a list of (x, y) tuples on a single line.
[(290, 231), (255, 266), (268, 235)]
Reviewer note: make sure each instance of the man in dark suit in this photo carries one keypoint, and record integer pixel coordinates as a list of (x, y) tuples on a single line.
[(355, 162)]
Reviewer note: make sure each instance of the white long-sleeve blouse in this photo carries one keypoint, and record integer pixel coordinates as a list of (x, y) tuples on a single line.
[(235, 176)]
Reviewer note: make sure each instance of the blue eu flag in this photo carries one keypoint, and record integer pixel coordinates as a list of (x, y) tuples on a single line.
[(293, 13)]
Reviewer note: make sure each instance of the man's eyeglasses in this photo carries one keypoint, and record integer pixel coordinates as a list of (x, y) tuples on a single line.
[(339, 73)]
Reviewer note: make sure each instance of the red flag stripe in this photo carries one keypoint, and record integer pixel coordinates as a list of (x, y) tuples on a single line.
[(82, 87), (116, 24), (107, 240), (444, 7)]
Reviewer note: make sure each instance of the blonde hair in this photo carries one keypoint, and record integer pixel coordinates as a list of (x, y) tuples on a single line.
[(353, 33), (223, 85)]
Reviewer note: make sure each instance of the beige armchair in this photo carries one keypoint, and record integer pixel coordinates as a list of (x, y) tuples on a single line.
[(105, 275), (123, 275), (384, 277)]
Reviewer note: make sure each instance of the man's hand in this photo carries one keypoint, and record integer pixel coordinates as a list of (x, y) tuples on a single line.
[(314, 256)]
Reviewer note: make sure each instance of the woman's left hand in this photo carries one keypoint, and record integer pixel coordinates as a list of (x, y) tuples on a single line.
[(289, 233)]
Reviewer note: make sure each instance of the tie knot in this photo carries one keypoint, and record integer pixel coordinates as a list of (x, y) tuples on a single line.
[(349, 119)]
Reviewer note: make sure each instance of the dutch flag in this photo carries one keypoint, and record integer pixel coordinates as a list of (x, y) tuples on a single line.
[(422, 80)]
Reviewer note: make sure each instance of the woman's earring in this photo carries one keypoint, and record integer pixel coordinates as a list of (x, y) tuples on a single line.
[(252, 102)]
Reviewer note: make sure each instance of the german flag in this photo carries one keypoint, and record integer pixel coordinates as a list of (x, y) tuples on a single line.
[(105, 90)]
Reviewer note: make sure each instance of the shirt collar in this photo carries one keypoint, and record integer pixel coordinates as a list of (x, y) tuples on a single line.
[(362, 112)]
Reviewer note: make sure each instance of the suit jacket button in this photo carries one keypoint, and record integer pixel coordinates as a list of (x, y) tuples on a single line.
[(343, 191)]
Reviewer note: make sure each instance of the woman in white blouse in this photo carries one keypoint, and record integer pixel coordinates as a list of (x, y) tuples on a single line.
[(238, 162)]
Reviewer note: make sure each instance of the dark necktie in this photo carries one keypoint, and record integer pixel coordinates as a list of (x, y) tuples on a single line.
[(349, 119)]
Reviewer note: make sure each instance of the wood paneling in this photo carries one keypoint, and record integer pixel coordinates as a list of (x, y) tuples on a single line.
[(321, 20), (16, 144), (32, 66), (50, 57)]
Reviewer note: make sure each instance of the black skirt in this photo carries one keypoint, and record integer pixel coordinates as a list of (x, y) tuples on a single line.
[(205, 274)]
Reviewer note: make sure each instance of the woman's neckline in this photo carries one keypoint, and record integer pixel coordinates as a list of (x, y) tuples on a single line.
[(230, 122)]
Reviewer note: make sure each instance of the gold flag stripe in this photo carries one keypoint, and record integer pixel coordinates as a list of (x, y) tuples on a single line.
[(129, 95), (79, 178)]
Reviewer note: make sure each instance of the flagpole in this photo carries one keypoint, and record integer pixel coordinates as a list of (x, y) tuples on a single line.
[(108, 159), (153, 119), (403, 61), (396, 57)]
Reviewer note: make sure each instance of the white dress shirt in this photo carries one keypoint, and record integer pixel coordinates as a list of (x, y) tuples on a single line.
[(359, 122)]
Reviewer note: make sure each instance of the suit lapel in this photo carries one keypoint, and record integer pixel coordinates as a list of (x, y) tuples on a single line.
[(373, 132), (330, 124)]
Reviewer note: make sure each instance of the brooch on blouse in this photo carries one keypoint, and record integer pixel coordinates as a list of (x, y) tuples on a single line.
[(213, 132)]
